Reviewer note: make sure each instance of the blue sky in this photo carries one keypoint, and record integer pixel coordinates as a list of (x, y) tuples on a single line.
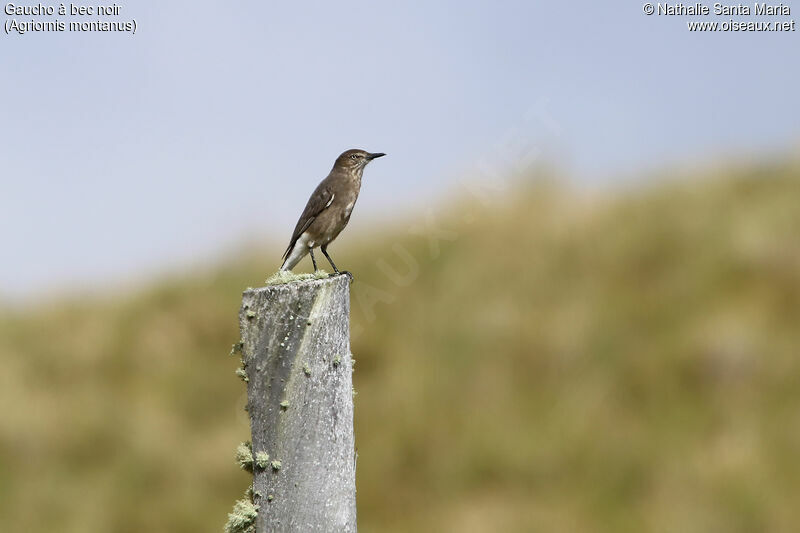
[(126, 154)]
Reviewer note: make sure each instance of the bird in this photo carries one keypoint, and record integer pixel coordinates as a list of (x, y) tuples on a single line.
[(328, 210)]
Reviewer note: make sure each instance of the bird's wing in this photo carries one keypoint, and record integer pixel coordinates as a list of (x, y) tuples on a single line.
[(320, 200)]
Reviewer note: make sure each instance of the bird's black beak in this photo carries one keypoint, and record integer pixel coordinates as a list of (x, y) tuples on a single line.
[(370, 157)]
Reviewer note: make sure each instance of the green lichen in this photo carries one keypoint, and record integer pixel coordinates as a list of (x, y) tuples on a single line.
[(307, 369), (337, 360), (284, 276), (236, 348), (262, 460), (270, 498), (285, 404), (244, 456), (242, 373), (243, 517), (250, 314), (276, 465)]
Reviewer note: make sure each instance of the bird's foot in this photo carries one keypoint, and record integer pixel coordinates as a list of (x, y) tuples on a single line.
[(343, 273)]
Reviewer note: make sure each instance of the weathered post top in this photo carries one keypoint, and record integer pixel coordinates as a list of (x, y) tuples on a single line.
[(296, 354)]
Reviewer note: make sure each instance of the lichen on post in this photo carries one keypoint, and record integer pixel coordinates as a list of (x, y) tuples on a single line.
[(296, 356)]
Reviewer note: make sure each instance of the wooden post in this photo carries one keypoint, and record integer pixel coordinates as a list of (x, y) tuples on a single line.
[(296, 352)]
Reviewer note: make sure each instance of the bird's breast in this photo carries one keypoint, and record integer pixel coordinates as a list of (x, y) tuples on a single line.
[(348, 208)]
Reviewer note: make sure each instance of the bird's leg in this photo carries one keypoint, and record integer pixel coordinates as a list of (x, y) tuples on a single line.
[(336, 270), (311, 250), (325, 251)]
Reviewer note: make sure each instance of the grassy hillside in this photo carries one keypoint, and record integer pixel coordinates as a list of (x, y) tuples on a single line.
[(548, 362)]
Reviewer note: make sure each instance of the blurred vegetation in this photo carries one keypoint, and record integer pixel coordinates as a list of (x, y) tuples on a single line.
[(557, 361)]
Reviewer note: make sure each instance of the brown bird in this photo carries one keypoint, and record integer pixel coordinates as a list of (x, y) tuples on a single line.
[(328, 210)]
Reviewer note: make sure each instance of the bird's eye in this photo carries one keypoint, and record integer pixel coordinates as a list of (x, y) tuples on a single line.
[(354, 156)]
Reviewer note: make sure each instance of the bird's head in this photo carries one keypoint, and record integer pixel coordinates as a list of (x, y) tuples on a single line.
[(355, 160)]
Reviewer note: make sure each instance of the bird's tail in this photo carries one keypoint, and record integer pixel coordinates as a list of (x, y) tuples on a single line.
[(294, 254)]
